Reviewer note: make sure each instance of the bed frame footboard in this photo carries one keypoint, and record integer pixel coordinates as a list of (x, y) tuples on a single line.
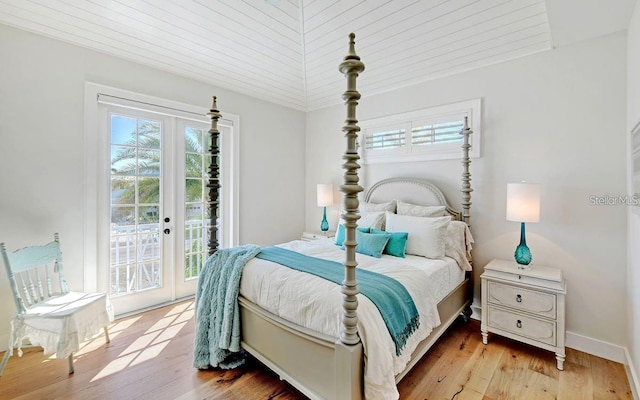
[(318, 365), (321, 366)]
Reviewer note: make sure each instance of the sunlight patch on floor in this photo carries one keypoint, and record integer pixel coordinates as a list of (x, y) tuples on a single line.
[(98, 340), (124, 324), (162, 323), (169, 333), (151, 343), (185, 316), (179, 308), (140, 343), (150, 353), (116, 365)]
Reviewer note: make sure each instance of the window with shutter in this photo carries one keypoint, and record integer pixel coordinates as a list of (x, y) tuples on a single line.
[(386, 139), (429, 134), (446, 132)]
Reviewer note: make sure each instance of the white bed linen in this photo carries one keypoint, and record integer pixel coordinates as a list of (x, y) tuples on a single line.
[(316, 304)]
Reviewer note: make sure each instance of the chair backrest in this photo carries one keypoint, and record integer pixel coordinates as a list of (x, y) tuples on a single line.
[(32, 270)]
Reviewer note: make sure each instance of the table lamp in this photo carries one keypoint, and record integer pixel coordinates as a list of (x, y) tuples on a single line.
[(523, 205), (325, 198)]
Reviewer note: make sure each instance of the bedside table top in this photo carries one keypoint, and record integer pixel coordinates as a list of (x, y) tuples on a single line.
[(534, 271), (327, 234)]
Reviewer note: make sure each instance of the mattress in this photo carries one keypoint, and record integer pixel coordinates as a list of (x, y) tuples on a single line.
[(316, 304)]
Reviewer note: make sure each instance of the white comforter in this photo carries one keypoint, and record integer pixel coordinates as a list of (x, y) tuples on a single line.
[(316, 304)]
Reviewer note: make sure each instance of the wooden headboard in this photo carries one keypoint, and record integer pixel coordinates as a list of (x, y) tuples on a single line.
[(410, 190)]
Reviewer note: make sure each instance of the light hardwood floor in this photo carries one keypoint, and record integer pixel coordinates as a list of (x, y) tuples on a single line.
[(150, 357)]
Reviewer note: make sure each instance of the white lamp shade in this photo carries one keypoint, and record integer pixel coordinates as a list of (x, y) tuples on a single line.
[(325, 194), (523, 202)]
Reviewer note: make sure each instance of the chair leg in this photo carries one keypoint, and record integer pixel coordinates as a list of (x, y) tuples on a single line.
[(71, 370), (7, 354)]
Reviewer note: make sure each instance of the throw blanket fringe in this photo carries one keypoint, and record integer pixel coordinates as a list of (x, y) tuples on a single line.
[(217, 338), (392, 299)]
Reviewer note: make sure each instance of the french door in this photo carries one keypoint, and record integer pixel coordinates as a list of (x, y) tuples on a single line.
[(154, 240), (194, 216)]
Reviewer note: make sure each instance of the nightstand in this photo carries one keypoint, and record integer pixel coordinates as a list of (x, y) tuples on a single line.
[(527, 305), (309, 236)]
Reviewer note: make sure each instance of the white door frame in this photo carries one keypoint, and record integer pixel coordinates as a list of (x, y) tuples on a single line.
[(95, 93)]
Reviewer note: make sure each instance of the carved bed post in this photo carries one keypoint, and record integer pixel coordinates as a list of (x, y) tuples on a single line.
[(466, 175), (214, 177), (466, 202), (348, 350), (350, 67)]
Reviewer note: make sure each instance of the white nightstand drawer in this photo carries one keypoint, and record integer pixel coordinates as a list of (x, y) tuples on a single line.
[(543, 304), (536, 329)]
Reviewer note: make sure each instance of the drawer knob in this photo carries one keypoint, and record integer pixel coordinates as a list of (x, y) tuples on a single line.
[(519, 324), (519, 298)]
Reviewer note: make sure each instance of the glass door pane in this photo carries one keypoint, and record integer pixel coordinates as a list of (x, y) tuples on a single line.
[(135, 244), (197, 217)]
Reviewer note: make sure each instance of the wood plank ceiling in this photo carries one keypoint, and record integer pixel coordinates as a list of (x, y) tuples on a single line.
[(288, 51)]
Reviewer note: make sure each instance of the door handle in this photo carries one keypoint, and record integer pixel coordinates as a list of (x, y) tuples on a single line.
[(167, 231)]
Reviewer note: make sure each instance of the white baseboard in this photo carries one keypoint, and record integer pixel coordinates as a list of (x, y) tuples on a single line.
[(632, 375), (476, 312), (596, 347)]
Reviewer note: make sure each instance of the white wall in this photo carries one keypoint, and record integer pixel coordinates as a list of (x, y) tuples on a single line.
[(41, 148), (633, 266), (557, 118)]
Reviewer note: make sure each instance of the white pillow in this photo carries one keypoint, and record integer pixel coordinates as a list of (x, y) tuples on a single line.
[(374, 219), (426, 235), (421, 211), (458, 241), (369, 220), (368, 207)]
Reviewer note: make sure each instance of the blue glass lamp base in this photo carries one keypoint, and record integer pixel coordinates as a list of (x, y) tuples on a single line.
[(523, 254), (324, 226)]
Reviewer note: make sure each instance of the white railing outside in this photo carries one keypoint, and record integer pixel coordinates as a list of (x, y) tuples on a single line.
[(136, 253), (196, 238), (135, 258)]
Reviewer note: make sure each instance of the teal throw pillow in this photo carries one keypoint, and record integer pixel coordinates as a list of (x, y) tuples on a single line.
[(371, 244), (397, 243), (340, 234)]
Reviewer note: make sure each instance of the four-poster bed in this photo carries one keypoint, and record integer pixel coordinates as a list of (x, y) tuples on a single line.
[(322, 357)]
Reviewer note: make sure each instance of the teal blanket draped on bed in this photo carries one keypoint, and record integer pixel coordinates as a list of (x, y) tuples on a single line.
[(217, 338), (391, 298)]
